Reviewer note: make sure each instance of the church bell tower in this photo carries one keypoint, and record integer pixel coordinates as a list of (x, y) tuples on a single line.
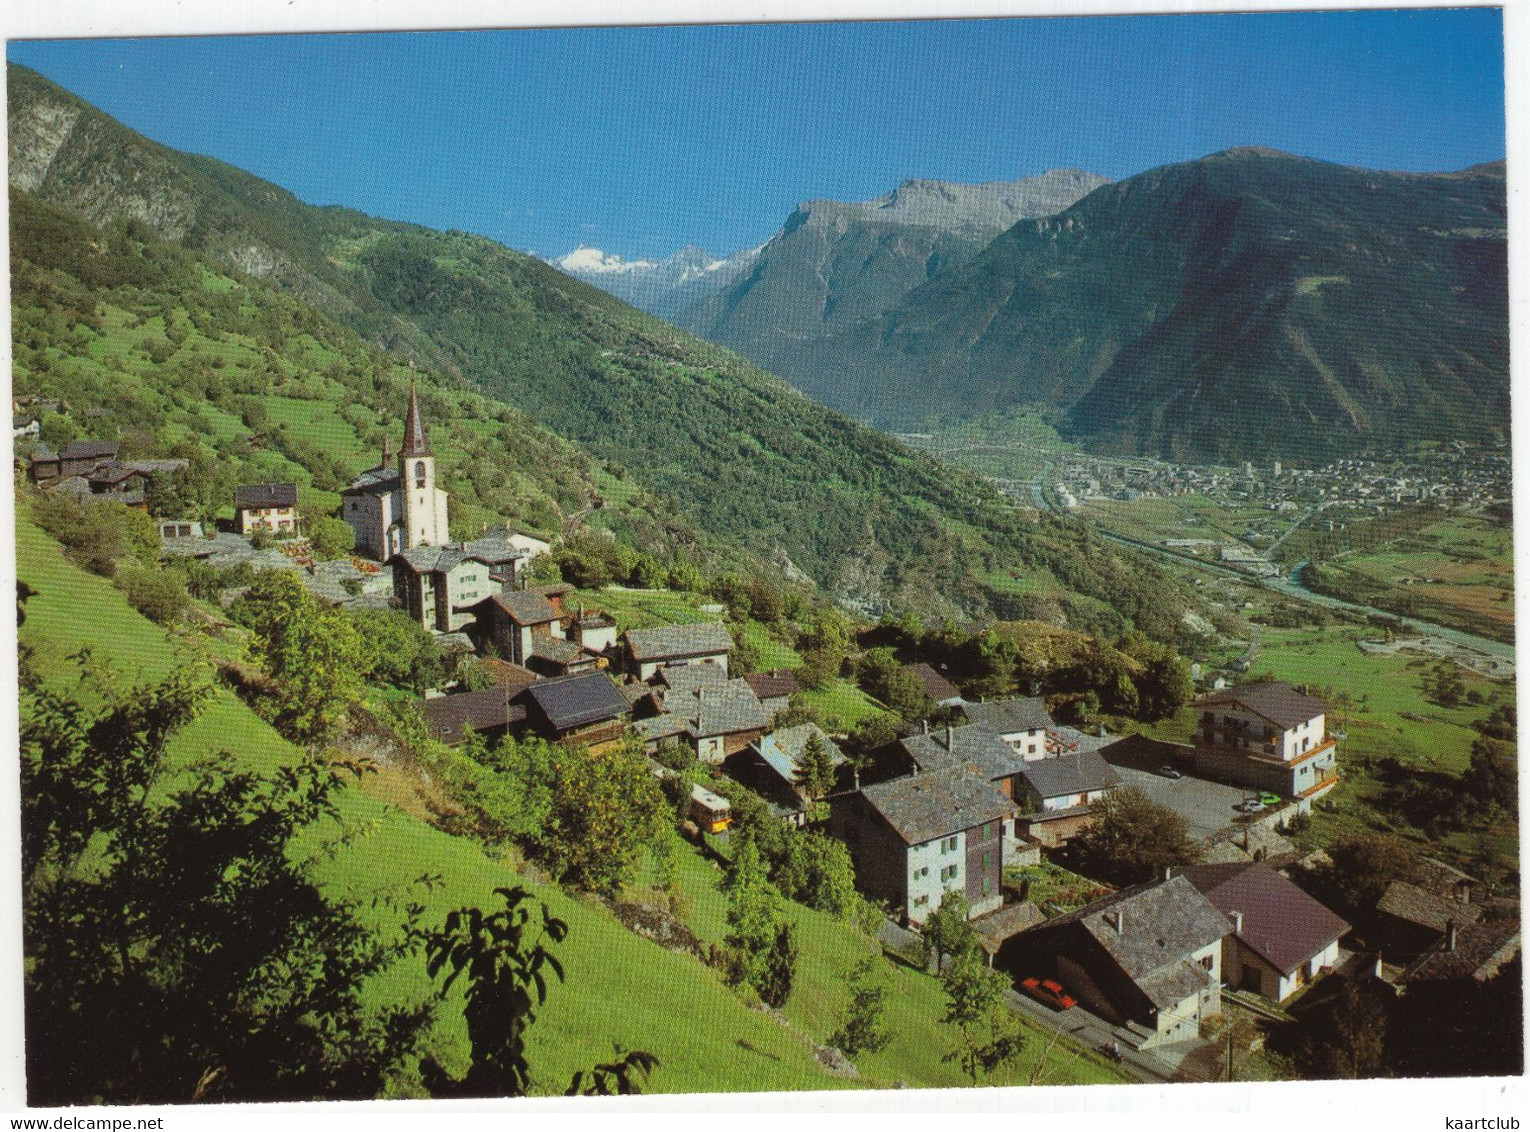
[(423, 513)]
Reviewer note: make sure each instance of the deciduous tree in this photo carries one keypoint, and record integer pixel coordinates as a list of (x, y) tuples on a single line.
[(1130, 839)]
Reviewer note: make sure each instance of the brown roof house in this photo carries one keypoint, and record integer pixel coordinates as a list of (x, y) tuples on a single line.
[(774, 689), (649, 650), (936, 686), (1282, 938), (915, 838), (1267, 736), (516, 624), (1148, 959), (489, 713)]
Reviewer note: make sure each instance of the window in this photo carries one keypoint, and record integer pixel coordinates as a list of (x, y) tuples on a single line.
[(983, 832), (1207, 961), (419, 474), (987, 863), (985, 886), (921, 901), (920, 874), (948, 845), (947, 873)]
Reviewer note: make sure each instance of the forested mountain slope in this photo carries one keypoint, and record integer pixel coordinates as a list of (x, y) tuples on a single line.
[(745, 459), (1248, 305)]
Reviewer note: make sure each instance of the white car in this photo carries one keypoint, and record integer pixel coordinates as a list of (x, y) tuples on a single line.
[(1169, 772)]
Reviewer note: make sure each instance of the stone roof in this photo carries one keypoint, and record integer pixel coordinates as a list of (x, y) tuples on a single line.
[(935, 804), (89, 450), (1281, 923), (684, 679), (936, 686), (1012, 919), (1274, 700), (774, 684), (1005, 717), (1480, 952), (265, 495), (961, 746), (439, 559), (1411, 903), (783, 750), (574, 701), (380, 480), (1160, 925), (505, 674), (559, 651), (524, 608), (721, 709), (667, 642), (1075, 773)]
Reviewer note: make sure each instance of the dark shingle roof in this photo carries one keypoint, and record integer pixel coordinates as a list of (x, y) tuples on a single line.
[(936, 686), (446, 716), (936, 804), (774, 684), (374, 481), (90, 450), (525, 608), (1005, 717), (559, 651), (996, 927), (1409, 902), (1074, 773), (574, 701), (676, 641), (266, 495), (1281, 923), (1480, 952), (1162, 923), (1278, 702), (976, 746)]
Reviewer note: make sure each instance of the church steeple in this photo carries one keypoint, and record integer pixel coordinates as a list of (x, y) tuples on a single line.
[(415, 442)]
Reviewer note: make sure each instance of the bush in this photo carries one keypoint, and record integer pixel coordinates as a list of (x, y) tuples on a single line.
[(160, 595)]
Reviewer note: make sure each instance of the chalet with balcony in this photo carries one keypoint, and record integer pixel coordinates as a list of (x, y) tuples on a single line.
[(586, 708), (1267, 736), (514, 624), (915, 838)]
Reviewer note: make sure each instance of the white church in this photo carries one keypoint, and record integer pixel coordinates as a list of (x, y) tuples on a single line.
[(396, 509)]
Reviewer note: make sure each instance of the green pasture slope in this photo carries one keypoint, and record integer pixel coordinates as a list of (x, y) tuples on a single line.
[(619, 987)]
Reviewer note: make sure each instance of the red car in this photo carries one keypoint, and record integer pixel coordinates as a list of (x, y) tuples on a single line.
[(1049, 992)]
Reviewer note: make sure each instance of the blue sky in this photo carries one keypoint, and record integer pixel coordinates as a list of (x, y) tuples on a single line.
[(639, 140)]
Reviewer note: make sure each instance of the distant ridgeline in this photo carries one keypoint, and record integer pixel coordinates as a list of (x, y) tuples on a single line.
[(692, 446), (1249, 305)]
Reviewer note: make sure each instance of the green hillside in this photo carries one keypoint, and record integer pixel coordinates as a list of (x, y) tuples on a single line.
[(738, 454), (619, 988), (1249, 305)]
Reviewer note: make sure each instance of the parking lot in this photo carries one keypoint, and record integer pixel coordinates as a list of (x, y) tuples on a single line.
[(1206, 806)]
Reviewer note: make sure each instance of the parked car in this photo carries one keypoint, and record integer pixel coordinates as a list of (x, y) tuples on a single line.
[(1049, 992), (1268, 798), (1169, 772), (1251, 806)]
